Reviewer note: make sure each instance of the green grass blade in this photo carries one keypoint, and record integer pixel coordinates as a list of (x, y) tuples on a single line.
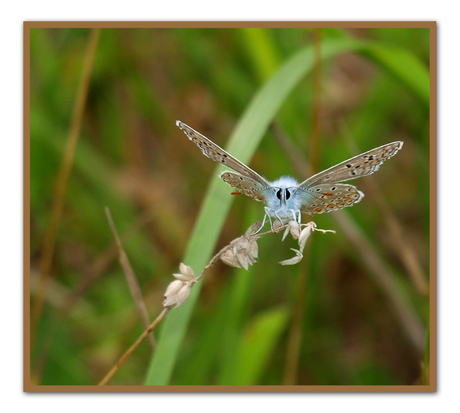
[(257, 345), (404, 66), (240, 296), (399, 62)]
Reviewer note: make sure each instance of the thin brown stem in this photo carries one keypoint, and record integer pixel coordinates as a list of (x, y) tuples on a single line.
[(316, 111), (131, 350), (61, 185), (401, 244), (383, 277), (131, 278), (292, 151), (295, 333), (227, 247), (165, 311), (89, 277)]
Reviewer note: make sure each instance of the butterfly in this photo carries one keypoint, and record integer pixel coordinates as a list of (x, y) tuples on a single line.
[(285, 198)]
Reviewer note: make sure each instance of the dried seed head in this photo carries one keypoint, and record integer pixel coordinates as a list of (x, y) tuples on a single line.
[(305, 234), (178, 291), (253, 228), (186, 270), (229, 258), (294, 260), (243, 252), (182, 295), (294, 228), (182, 277), (175, 297), (277, 226), (302, 237), (173, 288)]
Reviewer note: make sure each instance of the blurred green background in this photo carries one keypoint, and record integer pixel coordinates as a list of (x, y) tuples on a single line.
[(354, 312)]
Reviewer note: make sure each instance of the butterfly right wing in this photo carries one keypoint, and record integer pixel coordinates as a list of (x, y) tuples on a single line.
[(247, 186), (217, 154), (321, 192), (361, 165)]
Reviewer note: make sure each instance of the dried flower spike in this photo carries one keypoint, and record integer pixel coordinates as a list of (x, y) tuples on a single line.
[(243, 252), (178, 291), (302, 236), (294, 228), (253, 229), (294, 260), (277, 226)]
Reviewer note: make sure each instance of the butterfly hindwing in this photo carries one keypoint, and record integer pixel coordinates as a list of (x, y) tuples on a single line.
[(246, 185), (328, 197)]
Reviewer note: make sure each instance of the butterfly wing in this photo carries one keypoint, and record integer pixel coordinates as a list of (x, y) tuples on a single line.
[(362, 165), (246, 185), (327, 197), (321, 193), (217, 154)]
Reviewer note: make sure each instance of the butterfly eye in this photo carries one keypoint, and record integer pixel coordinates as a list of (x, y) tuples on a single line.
[(288, 194), (278, 194)]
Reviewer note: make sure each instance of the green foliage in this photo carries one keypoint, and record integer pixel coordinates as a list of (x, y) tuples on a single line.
[(234, 328)]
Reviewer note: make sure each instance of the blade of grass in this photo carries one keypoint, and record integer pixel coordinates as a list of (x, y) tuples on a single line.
[(239, 296), (400, 63), (257, 344), (404, 66), (261, 51)]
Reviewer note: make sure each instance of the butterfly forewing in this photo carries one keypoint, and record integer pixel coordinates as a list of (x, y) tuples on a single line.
[(362, 165), (217, 154), (328, 197)]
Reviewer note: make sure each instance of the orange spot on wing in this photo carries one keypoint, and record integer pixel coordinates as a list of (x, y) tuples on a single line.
[(236, 193), (328, 193)]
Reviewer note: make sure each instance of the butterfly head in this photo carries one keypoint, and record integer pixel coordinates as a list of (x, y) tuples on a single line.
[(283, 193)]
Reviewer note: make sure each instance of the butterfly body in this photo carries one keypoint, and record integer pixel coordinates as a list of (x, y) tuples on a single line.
[(285, 198), (282, 203)]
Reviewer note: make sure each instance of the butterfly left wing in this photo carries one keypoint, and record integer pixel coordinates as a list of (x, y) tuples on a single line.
[(217, 154), (327, 197), (362, 165), (246, 185)]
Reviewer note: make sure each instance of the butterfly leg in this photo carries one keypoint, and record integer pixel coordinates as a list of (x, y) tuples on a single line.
[(294, 215), (279, 219), (268, 213), (263, 221), (261, 225)]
